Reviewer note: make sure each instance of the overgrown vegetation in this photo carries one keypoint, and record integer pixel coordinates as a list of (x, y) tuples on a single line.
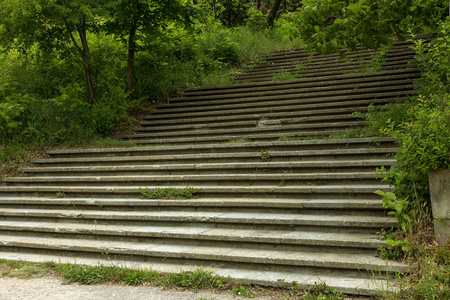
[(193, 280), (72, 83), (187, 192), (422, 127)]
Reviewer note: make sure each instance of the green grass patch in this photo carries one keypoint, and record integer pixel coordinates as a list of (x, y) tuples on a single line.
[(240, 140), (170, 193), (285, 75)]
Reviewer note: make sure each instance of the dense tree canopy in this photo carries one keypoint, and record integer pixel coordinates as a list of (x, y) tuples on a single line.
[(76, 67), (332, 26)]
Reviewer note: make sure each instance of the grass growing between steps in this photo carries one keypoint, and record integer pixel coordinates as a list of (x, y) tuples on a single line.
[(430, 279), (193, 280), (15, 156), (170, 193)]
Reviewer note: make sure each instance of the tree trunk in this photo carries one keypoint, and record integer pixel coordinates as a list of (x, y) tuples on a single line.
[(130, 58), (213, 5), (273, 13), (81, 28), (258, 4), (262, 7), (230, 7)]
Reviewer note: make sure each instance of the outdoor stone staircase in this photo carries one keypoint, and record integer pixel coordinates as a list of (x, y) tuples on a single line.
[(278, 202)]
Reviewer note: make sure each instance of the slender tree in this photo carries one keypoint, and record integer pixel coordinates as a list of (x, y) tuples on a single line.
[(273, 13), (134, 20), (51, 25)]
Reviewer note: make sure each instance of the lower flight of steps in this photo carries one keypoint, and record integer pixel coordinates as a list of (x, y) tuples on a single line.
[(279, 199), (299, 211)]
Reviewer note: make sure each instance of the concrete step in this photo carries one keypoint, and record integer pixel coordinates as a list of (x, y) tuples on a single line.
[(279, 129), (307, 191), (267, 116), (327, 166), (316, 116), (229, 96), (256, 156), (297, 66), (248, 204), (204, 180), (331, 58), (288, 222), (310, 93), (320, 132), (318, 73), (397, 46), (300, 100), (349, 282), (213, 254), (352, 242), (295, 145), (306, 82)]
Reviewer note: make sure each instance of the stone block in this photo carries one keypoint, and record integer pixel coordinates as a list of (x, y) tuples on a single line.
[(440, 204)]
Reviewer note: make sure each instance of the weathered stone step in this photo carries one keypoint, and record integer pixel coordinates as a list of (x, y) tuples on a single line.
[(397, 46), (348, 282), (306, 82), (359, 48), (298, 66), (264, 137), (125, 204), (229, 96), (221, 168), (303, 103), (203, 233), (327, 219), (319, 73), (192, 251), (204, 180), (281, 129), (343, 104), (308, 191), (316, 116), (256, 156), (310, 93), (330, 58), (295, 145)]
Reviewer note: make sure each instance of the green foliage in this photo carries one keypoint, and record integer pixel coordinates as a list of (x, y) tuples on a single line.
[(332, 26), (398, 209), (423, 129), (320, 291), (170, 193), (265, 155), (430, 280), (12, 108), (285, 75), (394, 250), (43, 97), (256, 20), (242, 290)]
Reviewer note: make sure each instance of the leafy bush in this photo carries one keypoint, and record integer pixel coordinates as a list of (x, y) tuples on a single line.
[(422, 128), (12, 108), (170, 193), (256, 20)]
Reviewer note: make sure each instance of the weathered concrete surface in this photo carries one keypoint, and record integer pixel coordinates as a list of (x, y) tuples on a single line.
[(52, 288), (440, 204)]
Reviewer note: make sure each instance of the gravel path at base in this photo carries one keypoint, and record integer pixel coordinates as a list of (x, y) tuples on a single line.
[(52, 289)]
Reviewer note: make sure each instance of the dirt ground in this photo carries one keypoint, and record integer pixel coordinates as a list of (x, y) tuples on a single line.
[(50, 288)]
